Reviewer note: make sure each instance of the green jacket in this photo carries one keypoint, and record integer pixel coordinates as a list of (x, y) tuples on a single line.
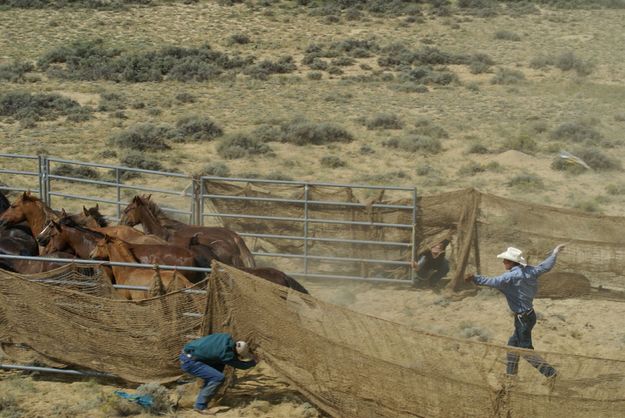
[(216, 349)]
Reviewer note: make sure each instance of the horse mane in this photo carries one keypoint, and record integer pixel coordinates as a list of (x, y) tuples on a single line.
[(71, 222), (157, 211)]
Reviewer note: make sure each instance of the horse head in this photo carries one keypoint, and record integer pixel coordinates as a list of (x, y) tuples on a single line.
[(131, 215), (51, 230), (93, 214), (15, 212), (101, 251)]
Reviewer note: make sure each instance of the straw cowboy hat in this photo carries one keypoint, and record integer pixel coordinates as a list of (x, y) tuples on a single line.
[(513, 254), (243, 351)]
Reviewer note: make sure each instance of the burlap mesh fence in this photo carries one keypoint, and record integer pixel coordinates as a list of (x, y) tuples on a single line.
[(479, 226), (137, 341), (354, 365)]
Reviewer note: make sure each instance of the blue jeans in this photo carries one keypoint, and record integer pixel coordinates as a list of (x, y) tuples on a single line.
[(522, 338), (213, 378)]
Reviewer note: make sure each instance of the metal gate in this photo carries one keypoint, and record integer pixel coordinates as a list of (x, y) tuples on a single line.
[(69, 184)]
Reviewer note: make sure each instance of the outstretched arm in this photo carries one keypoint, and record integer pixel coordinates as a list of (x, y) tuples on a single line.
[(550, 261), (497, 282)]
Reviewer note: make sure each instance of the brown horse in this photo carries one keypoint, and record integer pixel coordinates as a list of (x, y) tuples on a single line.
[(276, 276), (66, 235), (36, 213), (115, 250), (227, 245)]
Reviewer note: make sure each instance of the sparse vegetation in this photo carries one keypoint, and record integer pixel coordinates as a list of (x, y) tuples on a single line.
[(240, 146), (384, 121), (416, 143), (143, 137), (24, 105), (506, 35), (526, 182), (197, 128), (507, 76), (217, 169), (332, 161)]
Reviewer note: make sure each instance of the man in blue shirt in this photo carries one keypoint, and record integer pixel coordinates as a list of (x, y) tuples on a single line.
[(519, 285), (206, 358)]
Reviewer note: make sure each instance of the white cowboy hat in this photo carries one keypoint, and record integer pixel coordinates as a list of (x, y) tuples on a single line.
[(243, 351), (513, 254)]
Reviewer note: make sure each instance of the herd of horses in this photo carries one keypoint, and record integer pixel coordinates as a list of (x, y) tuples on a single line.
[(28, 227)]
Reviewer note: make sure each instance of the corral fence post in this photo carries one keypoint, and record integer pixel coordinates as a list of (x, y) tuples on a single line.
[(44, 179), (196, 206)]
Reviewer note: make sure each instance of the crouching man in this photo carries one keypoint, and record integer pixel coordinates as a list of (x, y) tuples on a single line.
[(207, 357)]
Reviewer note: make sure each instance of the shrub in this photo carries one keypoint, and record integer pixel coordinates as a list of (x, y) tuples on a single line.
[(426, 127), (302, 132), (343, 61), (79, 171), (24, 105), (15, 72), (586, 205), (318, 64), (265, 68), (521, 143), (366, 150), (80, 114), (266, 133), (143, 137), (217, 169), (507, 76), (561, 164), (415, 143), (314, 75), (542, 61), (140, 160), (384, 178), (568, 61), (240, 146), (507, 36), (411, 87), (332, 161), (615, 189), (482, 59), (111, 101), (197, 128), (477, 149), (576, 131), (275, 175), (384, 121), (238, 39), (185, 97), (471, 168), (598, 160), (526, 182)]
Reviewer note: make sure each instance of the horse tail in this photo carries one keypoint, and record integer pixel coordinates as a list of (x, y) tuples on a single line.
[(246, 255), (295, 285)]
